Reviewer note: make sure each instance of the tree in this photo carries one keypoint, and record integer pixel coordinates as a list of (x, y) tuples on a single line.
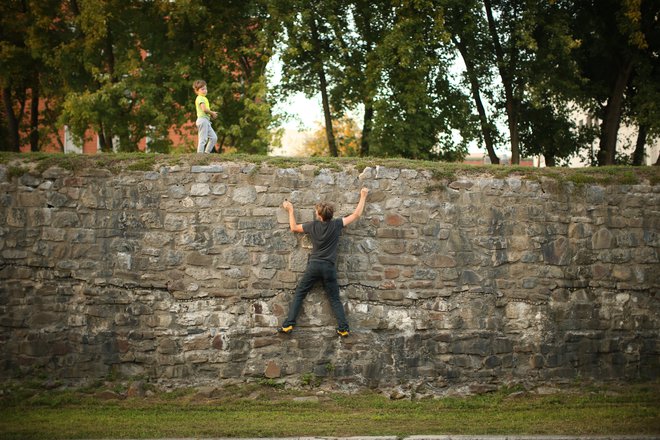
[(644, 92), (547, 125), (308, 50), (618, 42), (102, 66), (360, 27), (509, 63), (234, 53), (468, 30), (420, 112), (529, 44), (19, 73), (512, 25), (390, 59), (374, 58), (348, 139), (124, 68), (549, 130), (644, 87), (14, 59)]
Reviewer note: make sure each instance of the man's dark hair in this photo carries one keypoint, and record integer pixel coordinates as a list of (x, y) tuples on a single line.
[(325, 210)]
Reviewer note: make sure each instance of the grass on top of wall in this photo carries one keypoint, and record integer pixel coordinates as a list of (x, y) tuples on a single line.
[(261, 410), (20, 163)]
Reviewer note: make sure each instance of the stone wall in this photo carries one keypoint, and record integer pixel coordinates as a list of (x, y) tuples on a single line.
[(184, 273)]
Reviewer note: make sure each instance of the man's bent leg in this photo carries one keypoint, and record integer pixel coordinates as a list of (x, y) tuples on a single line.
[(332, 290), (304, 286)]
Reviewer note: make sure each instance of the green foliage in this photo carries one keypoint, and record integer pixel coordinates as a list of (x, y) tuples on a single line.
[(14, 171), (71, 162), (29, 31), (549, 131), (617, 60), (582, 179), (374, 57), (310, 380), (146, 164), (272, 383), (124, 69)]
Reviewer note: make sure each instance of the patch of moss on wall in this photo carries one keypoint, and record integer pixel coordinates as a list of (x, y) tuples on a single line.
[(19, 163)]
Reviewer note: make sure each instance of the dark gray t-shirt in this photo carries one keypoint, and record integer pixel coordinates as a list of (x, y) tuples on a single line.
[(325, 238)]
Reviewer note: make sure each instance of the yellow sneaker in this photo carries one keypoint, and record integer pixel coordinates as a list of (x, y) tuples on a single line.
[(285, 330), (343, 333)]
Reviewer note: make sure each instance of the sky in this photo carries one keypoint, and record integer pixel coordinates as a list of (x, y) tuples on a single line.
[(305, 113)]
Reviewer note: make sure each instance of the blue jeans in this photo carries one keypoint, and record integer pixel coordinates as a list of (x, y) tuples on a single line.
[(325, 272)]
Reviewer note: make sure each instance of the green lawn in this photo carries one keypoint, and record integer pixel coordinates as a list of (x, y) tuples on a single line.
[(272, 412)]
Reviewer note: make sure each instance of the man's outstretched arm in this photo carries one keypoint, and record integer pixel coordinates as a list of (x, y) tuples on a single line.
[(295, 227), (358, 209)]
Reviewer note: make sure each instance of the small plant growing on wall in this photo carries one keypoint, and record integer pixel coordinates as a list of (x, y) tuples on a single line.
[(13, 171), (272, 383), (310, 380)]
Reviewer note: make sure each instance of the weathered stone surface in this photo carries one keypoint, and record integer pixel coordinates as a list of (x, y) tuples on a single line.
[(272, 370), (387, 173), (394, 219), (244, 195), (557, 252), (215, 168), (136, 389), (184, 275), (200, 189)]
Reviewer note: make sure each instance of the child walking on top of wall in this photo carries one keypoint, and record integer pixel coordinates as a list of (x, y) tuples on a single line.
[(206, 136), (324, 233)]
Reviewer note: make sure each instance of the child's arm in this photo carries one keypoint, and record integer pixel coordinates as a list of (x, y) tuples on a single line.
[(208, 111)]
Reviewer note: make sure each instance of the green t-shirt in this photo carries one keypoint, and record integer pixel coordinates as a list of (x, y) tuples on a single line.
[(198, 105)]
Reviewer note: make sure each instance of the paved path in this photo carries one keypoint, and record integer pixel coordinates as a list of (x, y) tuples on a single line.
[(450, 437)]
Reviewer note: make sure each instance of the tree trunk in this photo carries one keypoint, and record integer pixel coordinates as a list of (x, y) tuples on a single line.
[(638, 155), (550, 160), (327, 115), (102, 145), (55, 130), (367, 124), (486, 129), (34, 115), (12, 121), (105, 139), (612, 116), (368, 119), (512, 112), (109, 141), (507, 82), (105, 134), (323, 85)]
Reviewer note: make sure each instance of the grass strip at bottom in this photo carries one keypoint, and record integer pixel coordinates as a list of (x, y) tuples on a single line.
[(636, 411)]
